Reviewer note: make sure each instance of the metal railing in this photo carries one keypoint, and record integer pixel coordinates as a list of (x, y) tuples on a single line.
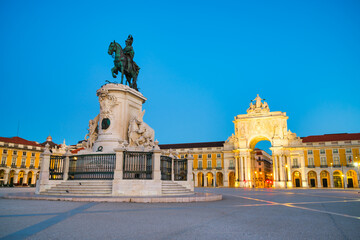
[(311, 166), (231, 168), (89, 167), (56, 168), (295, 166), (165, 167), (137, 165), (180, 169), (324, 166)]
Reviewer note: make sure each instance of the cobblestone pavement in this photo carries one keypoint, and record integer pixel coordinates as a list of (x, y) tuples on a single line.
[(242, 214)]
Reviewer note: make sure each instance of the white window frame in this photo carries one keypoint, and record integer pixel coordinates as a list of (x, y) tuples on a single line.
[(200, 164), (323, 161), (336, 160), (310, 152), (231, 163), (311, 163), (209, 155), (322, 152), (218, 163), (209, 165)]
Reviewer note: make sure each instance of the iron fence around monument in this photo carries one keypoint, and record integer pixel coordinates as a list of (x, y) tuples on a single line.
[(165, 167), (92, 167), (137, 165), (56, 167), (180, 169)]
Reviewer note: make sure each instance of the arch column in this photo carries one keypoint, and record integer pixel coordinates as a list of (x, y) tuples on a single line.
[(16, 175), (303, 173), (331, 178), (318, 179), (6, 177), (196, 179), (25, 179), (237, 172)]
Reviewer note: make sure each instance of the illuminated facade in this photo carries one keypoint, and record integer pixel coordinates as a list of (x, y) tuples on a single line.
[(20, 161), (330, 160)]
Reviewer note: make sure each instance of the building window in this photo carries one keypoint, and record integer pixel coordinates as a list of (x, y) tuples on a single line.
[(24, 153), (23, 161), (335, 150), (311, 161), (209, 155), (15, 152), (208, 164), (231, 163), (5, 151), (200, 155), (259, 169), (259, 163), (218, 155), (32, 161), (349, 160), (323, 161), (348, 150), (295, 162), (218, 163), (181, 156), (200, 165), (3, 160), (322, 151), (33, 154), (13, 160), (310, 152), (336, 161)]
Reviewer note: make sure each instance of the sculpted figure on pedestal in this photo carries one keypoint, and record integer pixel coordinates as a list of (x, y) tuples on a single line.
[(139, 133), (124, 62), (92, 132)]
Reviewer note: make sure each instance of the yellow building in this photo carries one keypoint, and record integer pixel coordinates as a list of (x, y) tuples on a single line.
[(324, 161), (20, 161)]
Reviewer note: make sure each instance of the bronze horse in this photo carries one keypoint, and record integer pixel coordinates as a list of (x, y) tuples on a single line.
[(120, 65)]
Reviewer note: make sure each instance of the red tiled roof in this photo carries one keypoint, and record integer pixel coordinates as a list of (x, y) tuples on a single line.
[(192, 145), (77, 150), (332, 137), (18, 140)]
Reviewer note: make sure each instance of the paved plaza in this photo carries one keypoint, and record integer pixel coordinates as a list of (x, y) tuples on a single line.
[(242, 214)]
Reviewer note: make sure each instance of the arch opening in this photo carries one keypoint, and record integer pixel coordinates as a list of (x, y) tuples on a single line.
[(261, 162)]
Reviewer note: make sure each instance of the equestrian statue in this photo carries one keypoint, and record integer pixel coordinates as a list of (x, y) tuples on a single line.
[(124, 62)]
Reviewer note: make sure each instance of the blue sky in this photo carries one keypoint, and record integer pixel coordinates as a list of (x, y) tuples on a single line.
[(201, 64)]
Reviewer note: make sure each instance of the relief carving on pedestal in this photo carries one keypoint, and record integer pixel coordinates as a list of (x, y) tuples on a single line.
[(107, 101)]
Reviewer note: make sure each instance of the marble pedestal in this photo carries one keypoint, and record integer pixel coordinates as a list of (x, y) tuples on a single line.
[(118, 104)]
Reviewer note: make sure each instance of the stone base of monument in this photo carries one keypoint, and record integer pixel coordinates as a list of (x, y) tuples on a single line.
[(194, 197), (120, 158)]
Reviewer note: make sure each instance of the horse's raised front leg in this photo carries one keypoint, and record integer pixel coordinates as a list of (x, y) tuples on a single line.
[(113, 70)]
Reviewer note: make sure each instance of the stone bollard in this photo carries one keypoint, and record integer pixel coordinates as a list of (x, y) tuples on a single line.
[(156, 161)]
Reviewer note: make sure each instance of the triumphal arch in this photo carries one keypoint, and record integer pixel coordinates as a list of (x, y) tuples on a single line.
[(261, 124)]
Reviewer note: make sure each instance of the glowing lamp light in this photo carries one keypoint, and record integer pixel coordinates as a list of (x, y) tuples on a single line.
[(356, 164)]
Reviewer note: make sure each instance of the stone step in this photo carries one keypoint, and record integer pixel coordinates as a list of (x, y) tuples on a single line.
[(82, 187), (79, 194), (173, 188)]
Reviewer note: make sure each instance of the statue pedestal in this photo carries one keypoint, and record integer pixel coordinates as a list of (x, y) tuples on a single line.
[(118, 104)]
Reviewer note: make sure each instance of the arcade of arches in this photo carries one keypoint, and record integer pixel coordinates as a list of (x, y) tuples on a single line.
[(327, 161)]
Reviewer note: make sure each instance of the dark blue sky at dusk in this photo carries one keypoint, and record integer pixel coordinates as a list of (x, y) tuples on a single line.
[(201, 64)]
